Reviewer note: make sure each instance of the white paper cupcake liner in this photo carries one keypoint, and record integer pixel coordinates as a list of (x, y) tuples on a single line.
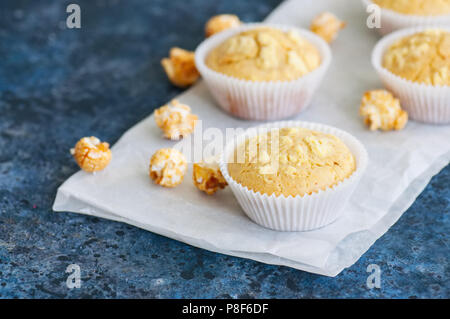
[(391, 20), (268, 100), (423, 102), (299, 213)]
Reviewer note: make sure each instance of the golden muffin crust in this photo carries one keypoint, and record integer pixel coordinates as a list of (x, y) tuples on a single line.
[(264, 54), (423, 57), (291, 161), (416, 7)]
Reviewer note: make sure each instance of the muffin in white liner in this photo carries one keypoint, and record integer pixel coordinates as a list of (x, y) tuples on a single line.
[(262, 100), (423, 102), (299, 213), (392, 20)]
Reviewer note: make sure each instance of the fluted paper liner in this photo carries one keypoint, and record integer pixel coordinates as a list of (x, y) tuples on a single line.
[(299, 213), (423, 102), (268, 100)]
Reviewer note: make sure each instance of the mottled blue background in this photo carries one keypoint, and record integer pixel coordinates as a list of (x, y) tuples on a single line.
[(57, 85)]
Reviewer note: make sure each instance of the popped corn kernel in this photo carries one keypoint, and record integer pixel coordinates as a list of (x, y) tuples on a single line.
[(220, 23), (327, 25), (296, 62), (175, 120), (263, 157), (319, 146), (267, 169), (91, 154), (381, 110), (291, 170), (239, 48), (167, 167), (286, 140), (268, 57), (180, 67), (207, 176)]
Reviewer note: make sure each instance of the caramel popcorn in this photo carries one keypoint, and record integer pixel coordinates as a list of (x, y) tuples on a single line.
[(327, 25), (91, 154), (180, 67), (220, 23), (167, 167), (381, 110), (207, 176), (319, 145), (175, 120)]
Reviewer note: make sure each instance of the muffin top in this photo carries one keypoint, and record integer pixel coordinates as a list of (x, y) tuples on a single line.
[(264, 54), (423, 57), (416, 7), (291, 161)]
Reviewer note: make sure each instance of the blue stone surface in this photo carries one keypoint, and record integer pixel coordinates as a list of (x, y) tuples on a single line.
[(58, 84)]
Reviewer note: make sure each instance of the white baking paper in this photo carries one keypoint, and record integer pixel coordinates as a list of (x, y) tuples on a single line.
[(401, 164)]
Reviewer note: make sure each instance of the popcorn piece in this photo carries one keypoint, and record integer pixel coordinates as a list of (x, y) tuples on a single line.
[(319, 146), (267, 169), (180, 67), (327, 25), (291, 170), (297, 62), (91, 154), (220, 23), (286, 140), (239, 48), (268, 57), (295, 36), (283, 159), (264, 157), (207, 177), (381, 110), (167, 167), (175, 120)]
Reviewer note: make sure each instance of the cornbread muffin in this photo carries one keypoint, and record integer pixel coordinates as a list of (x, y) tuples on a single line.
[(416, 7), (380, 110), (220, 23), (207, 176), (264, 54), (423, 57), (91, 154), (327, 25), (180, 67), (175, 120), (167, 167), (291, 161)]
